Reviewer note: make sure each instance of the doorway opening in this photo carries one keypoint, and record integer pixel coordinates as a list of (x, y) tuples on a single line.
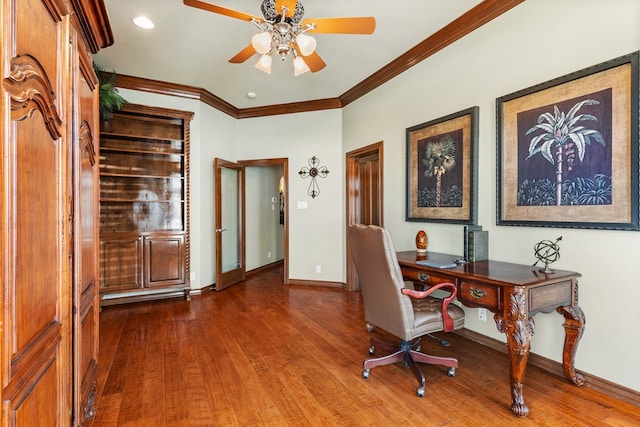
[(267, 219), (364, 173)]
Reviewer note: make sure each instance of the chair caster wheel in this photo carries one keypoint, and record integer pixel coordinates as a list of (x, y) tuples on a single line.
[(366, 373), (420, 391), (452, 372), (372, 350)]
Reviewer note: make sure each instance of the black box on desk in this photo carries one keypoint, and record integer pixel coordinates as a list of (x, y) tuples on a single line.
[(478, 245), (466, 235)]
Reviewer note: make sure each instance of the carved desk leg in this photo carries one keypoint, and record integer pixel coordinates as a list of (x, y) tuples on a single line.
[(573, 327), (518, 328)]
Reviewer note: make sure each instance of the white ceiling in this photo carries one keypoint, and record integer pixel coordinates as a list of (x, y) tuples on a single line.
[(192, 47)]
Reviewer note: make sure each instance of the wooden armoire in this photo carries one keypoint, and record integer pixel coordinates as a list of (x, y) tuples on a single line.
[(49, 209)]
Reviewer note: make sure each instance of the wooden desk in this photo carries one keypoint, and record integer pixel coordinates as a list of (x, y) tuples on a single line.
[(514, 293)]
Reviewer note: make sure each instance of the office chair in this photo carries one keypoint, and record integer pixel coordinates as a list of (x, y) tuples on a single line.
[(403, 312)]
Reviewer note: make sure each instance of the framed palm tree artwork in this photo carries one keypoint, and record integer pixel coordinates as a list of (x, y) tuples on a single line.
[(442, 169), (567, 150)]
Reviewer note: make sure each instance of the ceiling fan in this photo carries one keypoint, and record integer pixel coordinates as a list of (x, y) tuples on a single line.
[(283, 30)]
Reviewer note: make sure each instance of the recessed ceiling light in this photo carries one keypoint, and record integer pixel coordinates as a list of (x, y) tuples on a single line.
[(251, 95), (143, 22)]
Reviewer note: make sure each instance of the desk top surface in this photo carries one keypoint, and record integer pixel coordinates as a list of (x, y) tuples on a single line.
[(498, 272)]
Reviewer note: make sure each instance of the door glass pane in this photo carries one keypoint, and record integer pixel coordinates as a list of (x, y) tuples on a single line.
[(230, 223)]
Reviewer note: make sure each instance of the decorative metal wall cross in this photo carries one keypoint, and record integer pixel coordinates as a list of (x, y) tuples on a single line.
[(314, 171)]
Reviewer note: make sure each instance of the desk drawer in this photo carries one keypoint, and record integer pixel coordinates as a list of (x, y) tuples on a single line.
[(477, 295), (420, 276)]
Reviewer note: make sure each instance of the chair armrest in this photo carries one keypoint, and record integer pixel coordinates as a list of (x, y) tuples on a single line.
[(447, 321)]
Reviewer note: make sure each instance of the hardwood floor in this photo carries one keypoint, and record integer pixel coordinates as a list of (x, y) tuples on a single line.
[(265, 354)]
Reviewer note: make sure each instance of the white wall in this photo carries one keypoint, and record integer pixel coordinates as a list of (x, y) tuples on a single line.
[(316, 233), (534, 42)]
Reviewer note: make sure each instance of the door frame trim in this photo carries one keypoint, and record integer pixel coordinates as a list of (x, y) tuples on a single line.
[(352, 181)]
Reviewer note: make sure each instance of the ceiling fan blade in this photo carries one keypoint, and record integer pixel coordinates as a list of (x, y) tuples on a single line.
[(243, 55), (314, 62), (289, 4), (221, 10), (358, 25)]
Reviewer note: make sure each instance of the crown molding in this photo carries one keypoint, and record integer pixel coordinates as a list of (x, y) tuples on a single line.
[(93, 20), (471, 20), (447, 35), (295, 107)]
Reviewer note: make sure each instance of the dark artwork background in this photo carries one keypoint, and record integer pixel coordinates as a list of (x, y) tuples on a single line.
[(589, 181), (451, 181)]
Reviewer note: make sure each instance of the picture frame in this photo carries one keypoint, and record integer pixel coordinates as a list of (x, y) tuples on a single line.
[(441, 169), (567, 150)]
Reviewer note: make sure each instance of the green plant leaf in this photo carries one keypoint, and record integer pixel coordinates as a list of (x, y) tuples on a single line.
[(110, 99)]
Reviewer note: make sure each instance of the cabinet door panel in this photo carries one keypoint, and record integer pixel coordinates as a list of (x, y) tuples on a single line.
[(35, 406), (165, 259), (35, 237), (120, 264), (85, 281)]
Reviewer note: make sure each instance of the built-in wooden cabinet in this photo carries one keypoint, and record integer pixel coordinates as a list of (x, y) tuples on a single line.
[(144, 199)]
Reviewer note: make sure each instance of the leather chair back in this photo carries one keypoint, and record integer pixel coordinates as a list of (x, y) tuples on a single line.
[(380, 280)]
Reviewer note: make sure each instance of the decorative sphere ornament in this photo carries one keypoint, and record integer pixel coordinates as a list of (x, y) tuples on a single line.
[(421, 242), (547, 252)]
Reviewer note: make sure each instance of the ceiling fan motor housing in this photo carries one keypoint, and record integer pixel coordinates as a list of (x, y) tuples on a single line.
[(271, 14)]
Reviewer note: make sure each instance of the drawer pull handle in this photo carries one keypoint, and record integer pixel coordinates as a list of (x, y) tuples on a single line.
[(423, 277), (477, 293)]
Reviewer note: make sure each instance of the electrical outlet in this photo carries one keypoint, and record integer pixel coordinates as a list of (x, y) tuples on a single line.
[(318, 269), (482, 314), (268, 255), (192, 276)]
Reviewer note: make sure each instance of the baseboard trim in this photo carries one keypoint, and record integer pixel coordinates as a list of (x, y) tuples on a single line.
[(267, 267), (317, 283), (596, 383), (196, 292)]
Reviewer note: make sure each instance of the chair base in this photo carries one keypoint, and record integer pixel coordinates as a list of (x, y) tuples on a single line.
[(409, 354)]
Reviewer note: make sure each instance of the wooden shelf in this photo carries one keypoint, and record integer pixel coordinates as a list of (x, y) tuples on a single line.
[(143, 145), (124, 175), (107, 200), (132, 151), (137, 137)]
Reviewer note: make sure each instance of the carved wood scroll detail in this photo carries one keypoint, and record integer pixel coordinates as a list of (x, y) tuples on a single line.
[(523, 327), (86, 142), (30, 90)]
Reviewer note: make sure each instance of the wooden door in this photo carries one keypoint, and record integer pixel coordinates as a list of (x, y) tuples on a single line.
[(35, 214), (229, 202), (364, 194), (84, 185)]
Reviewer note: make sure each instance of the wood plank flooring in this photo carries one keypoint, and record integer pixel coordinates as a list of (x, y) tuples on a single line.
[(265, 354)]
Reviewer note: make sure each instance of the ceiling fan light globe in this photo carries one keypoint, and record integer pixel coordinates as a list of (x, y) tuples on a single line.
[(264, 64), (307, 44), (299, 66), (262, 42)]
